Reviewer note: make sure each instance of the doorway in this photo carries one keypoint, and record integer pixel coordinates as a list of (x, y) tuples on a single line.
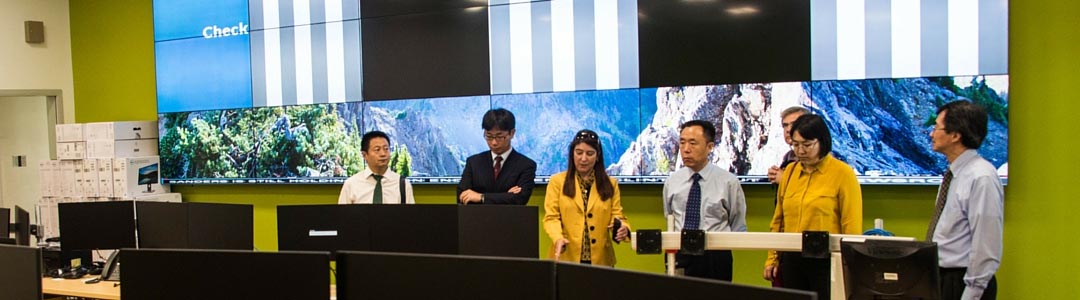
[(27, 130)]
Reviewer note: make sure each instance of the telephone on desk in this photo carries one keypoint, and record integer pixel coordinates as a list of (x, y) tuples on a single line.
[(111, 271)]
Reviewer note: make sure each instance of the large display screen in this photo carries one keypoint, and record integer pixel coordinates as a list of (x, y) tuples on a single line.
[(281, 91)]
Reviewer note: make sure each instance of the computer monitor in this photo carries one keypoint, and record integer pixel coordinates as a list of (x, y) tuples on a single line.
[(97, 225), (885, 269), (324, 227), (195, 225), (585, 282), (22, 226), (148, 175), (20, 272), (166, 274), (5, 223), (381, 275)]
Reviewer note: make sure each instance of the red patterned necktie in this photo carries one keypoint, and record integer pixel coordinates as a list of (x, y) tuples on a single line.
[(498, 166)]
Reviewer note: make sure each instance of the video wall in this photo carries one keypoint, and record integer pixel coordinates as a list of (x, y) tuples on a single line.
[(281, 91)]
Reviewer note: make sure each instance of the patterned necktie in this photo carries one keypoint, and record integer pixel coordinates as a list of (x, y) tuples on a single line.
[(693, 205), (377, 199), (943, 193), (498, 166)]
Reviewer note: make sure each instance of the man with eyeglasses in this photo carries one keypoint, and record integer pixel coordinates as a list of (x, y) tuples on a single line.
[(969, 215), (501, 175)]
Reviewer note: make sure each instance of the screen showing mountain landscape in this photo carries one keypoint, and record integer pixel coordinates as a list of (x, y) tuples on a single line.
[(282, 91), (879, 126)]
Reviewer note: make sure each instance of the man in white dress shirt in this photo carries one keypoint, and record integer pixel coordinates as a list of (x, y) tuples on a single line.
[(377, 184), (968, 220)]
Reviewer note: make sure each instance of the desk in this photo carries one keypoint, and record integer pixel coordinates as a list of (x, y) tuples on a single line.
[(76, 288)]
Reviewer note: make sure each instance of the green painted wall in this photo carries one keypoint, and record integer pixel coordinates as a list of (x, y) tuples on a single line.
[(114, 80), (112, 55)]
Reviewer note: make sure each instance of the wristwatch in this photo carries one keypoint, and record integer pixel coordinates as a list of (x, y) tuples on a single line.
[(481, 198)]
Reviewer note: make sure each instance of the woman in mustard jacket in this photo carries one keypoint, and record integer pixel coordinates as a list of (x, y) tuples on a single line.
[(582, 204), (819, 193)]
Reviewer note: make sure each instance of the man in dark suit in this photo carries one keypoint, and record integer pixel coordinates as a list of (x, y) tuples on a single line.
[(501, 175)]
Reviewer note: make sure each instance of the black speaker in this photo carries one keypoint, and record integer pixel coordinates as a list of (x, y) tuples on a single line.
[(692, 242), (648, 241), (815, 244), (35, 32)]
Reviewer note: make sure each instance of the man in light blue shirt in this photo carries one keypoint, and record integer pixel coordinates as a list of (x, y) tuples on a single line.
[(703, 196), (968, 219)]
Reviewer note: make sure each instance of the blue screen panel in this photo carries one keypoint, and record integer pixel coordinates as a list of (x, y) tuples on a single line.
[(199, 18), (202, 74)]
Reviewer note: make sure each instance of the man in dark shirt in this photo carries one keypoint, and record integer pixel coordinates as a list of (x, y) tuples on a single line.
[(501, 175)]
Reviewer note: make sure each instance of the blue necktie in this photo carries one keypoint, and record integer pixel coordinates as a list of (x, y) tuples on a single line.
[(693, 205)]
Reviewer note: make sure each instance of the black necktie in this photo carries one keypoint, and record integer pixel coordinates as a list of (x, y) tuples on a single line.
[(943, 193), (377, 199), (693, 205), (498, 166)]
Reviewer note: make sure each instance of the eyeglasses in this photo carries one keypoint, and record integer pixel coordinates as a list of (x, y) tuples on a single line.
[(934, 127), (496, 137), (796, 145), (581, 135)]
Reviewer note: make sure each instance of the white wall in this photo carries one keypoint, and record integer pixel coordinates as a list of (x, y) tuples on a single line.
[(45, 66)]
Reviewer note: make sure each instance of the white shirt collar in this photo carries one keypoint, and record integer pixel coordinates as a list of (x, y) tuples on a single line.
[(504, 155)]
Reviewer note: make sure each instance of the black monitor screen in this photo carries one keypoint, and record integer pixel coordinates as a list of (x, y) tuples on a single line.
[(224, 274), (20, 272), (5, 219), (22, 226), (324, 227), (97, 225), (591, 282), (877, 269), (376, 275)]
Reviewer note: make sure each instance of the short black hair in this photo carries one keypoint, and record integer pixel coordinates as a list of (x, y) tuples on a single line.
[(968, 119), (365, 142), (706, 126), (813, 127), (498, 119)]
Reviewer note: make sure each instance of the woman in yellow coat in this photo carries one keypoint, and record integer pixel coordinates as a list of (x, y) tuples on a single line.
[(819, 193), (582, 204)]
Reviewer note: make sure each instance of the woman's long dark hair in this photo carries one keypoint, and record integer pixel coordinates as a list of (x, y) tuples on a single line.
[(602, 182)]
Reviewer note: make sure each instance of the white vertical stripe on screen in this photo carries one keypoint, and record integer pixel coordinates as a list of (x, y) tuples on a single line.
[(607, 44), (302, 41), (906, 42), (335, 53), (850, 39), (562, 44), (963, 37), (335, 62), (272, 48), (521, 76), (333, 10)]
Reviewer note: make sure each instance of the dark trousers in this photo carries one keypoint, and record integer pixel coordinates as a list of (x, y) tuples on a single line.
[(808, 274), (715, 264), (952, 284)]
